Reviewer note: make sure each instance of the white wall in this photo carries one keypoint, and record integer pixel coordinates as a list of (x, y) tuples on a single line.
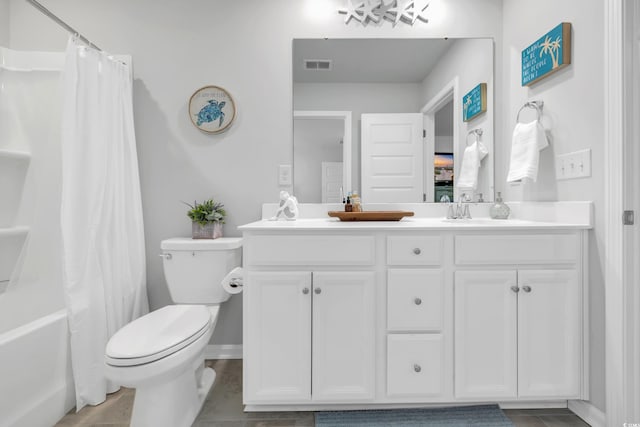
[(359, 98), (472, 62), (242, 46), (574, 113), (315, 141)]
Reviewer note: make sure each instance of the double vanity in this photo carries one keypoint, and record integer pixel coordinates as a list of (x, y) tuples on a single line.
[(426, 310)]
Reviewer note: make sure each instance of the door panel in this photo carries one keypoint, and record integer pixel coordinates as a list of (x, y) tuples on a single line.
[(343, 336), (277, 342), (392, 162), (485, 334), (549, 333)]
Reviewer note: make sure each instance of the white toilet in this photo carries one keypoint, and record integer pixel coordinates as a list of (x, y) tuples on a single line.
[(161, 354)]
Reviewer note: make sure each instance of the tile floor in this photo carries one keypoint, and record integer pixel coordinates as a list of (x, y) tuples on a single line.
[(223, 408)]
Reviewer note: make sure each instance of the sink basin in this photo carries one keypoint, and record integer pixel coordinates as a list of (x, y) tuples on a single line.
[(472, 220)]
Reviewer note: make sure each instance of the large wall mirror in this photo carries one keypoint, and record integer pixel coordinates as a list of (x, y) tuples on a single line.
[(384, 117)]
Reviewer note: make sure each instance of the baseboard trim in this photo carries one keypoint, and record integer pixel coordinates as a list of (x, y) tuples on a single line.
[(224, 351), (589, 413)]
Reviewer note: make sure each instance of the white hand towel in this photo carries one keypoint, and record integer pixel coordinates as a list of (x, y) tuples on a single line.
[(528, 140), (471, 158)]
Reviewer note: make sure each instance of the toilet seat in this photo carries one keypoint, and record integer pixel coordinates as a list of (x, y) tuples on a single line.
[(158, 334)]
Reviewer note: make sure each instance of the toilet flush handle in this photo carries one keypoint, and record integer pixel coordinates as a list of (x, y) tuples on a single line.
[(166, 256)]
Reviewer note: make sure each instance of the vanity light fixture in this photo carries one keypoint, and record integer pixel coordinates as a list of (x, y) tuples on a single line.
[(366, 11)]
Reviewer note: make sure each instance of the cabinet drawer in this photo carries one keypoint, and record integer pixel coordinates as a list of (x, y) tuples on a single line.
[(310, 250), (415, 299), (517, 249), (414, 250), (415, 365)]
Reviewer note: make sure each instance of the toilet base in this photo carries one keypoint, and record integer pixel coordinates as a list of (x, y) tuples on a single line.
[(175, 403)]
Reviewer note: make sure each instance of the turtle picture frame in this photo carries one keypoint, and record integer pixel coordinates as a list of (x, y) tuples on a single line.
[(212, 109)]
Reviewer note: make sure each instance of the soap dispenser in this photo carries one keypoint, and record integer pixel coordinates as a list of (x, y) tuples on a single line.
[(499, 210)]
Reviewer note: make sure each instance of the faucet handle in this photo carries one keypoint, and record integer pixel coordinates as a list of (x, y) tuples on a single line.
[(450, 213), (466, 214)]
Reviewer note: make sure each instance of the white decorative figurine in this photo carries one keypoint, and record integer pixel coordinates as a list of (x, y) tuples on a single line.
[(288, 208)]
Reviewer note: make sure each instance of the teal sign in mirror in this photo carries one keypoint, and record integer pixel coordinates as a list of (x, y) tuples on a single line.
[(474, 102)]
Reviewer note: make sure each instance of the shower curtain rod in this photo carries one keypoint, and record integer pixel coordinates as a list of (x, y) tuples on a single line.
[(60, 22)]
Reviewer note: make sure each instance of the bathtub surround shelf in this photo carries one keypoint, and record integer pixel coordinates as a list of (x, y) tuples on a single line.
[(365, 315), (14, 155), (12, 241), (370, 215)]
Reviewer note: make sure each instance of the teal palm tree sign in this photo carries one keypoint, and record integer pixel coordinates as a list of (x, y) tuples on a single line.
[(474, 102), (548, 54)]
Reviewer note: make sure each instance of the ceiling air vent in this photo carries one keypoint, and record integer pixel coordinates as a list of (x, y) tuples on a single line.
[(317, 64)]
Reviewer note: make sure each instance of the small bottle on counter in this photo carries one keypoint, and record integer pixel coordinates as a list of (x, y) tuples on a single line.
[(348, 207), (356, 203), (499, 210)]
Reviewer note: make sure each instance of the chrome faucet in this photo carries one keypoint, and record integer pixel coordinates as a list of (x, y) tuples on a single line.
[(462, 208)]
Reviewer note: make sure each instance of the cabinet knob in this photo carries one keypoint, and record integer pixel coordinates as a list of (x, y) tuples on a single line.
[(417, 301), (305, 291), (515, 289), (317, 290), (417, 368), (526, 288), (417, 251)]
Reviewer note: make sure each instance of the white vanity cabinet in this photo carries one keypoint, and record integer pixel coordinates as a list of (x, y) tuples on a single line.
[(309, 335), (339, 315), (518, 332)]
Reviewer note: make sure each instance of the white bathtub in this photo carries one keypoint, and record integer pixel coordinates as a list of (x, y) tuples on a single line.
[(36, 384)]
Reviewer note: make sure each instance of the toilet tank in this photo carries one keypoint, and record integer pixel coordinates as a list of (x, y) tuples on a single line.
[(194, 268)]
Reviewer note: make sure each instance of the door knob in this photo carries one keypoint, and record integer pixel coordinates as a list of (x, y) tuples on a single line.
[(317, 291)]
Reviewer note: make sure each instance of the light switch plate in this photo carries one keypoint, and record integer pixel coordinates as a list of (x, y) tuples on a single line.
[(284, 175), (574, 165)]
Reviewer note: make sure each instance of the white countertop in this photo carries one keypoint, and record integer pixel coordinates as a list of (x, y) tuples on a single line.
[(409, 223)]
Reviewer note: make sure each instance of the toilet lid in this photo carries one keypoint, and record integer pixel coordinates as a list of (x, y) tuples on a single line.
[(157, 334)]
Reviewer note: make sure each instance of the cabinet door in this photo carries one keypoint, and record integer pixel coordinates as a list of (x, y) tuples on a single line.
[(343, 336), (485, 334), (277, 337), (549, 333)]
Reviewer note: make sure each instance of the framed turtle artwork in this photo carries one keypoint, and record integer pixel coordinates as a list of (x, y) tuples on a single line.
[(211, 109)]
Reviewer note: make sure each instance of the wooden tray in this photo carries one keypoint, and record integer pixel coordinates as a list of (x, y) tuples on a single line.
[(370, 215)]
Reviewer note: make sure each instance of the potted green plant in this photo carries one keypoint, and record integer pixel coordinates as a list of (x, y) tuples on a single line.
[(207, 219)]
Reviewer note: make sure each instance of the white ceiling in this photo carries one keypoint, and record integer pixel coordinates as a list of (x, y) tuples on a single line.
[(368, 60)]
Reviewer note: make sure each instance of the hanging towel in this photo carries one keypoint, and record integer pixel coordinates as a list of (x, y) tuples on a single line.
[(471, 158), (528, 140)]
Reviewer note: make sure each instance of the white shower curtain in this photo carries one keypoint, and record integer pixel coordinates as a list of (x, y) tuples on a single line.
[(102, 229)]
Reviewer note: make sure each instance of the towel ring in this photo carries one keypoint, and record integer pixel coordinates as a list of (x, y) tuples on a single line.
[(477, 132), (537, 105)]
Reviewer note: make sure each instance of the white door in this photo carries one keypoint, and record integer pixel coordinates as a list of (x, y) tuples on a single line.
[(485, 334), (332, 181), (549, 362), (277, 337), (392, 158), (343, 336)]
